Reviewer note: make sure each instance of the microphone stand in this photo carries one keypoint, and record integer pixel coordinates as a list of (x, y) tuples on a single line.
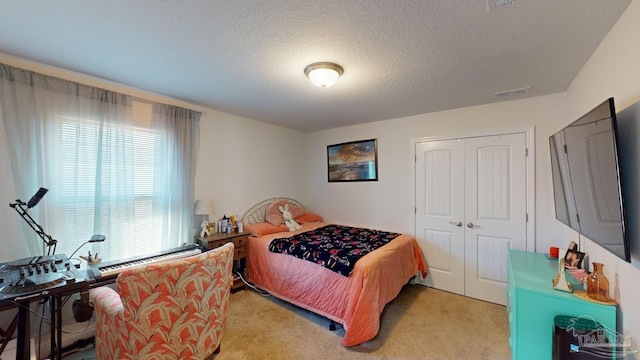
[(21, 208)]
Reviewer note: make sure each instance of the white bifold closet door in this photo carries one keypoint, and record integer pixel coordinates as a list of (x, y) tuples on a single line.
[(470, 210)]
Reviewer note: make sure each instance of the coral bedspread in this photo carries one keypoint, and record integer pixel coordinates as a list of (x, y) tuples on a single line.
[(356, 301)]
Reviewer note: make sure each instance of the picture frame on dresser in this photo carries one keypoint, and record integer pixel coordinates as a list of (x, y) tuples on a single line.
[(574, 258)]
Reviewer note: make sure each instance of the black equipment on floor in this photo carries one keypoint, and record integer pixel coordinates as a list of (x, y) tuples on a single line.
[(580, 338)]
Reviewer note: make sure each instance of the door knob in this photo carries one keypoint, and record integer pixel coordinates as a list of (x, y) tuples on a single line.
[(458, 224), (472, 225)]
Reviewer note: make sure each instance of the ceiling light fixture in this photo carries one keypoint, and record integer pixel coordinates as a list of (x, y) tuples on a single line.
[(323, 74)]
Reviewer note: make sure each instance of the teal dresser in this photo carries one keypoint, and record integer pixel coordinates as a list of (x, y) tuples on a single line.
[(533, 305)]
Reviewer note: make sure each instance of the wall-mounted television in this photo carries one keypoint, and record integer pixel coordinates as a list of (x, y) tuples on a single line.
[(588, 193)]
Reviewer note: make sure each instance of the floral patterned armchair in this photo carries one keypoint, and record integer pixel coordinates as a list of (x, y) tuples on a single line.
[(171, 310)]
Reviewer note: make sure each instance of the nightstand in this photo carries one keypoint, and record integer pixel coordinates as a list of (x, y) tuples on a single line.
[(240, 241)]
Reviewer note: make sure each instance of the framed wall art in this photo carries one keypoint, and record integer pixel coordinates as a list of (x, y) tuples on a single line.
[(353, 161)]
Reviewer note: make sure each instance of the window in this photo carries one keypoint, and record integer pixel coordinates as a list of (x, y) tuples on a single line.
[(106, 186), (113, 166)]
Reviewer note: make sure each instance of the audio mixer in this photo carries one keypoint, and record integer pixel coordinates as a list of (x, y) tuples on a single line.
[(34, 278)]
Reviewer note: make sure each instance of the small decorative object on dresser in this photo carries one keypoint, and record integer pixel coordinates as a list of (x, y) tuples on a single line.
[(204, 208), (239, 240), (597, 283), (204, 229), (560, 281)]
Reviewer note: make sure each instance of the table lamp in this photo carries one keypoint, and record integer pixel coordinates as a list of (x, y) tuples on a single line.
[(204, 208)]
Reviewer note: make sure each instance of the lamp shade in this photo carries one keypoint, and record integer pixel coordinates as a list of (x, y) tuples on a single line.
[(203, 207), (323, 74)]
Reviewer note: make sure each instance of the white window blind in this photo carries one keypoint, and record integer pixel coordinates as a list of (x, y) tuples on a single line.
[(106, 186)]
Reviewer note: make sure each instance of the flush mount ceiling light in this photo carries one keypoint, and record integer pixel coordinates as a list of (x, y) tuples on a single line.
[(323, 74)]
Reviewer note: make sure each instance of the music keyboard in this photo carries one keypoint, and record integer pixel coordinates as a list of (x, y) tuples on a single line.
[(110, 270)]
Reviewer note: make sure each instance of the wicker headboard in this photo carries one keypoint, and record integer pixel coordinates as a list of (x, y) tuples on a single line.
[(257, 213)]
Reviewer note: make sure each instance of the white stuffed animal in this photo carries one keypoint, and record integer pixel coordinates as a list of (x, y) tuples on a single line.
[(204, 229), (288, 218)]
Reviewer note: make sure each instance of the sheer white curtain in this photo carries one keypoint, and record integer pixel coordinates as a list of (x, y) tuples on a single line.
[(10, 230), (176, 148), (105, 169)]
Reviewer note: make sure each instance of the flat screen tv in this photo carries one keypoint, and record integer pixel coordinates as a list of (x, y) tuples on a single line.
[(588, 194)]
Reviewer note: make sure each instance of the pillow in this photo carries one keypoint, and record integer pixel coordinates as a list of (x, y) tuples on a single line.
[(308, 217), (264, 228), (273, 215)]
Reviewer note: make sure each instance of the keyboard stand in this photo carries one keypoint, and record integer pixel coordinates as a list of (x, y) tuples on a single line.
[(22, 322), (23, 350), (5, 335), (55, 303)]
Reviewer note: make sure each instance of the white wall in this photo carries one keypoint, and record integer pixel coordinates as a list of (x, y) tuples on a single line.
[(389, 203), (243, 161), (614, 70)]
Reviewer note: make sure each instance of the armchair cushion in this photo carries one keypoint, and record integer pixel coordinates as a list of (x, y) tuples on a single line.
[(171, 310)]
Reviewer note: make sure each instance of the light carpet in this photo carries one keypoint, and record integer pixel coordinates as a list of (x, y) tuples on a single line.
[(421, 323)]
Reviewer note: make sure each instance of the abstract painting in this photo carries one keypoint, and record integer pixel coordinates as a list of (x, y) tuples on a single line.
[(353, 161)]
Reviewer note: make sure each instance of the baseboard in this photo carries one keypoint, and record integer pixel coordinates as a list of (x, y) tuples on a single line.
[(9, 352), (72, 332)]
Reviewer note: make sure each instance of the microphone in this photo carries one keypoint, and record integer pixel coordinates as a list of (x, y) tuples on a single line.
[(35, 199)]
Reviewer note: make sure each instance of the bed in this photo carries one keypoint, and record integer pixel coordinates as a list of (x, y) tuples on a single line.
[(355, 301)]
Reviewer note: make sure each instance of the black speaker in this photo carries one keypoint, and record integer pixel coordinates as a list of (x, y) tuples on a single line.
[(566, 342), (82, 308)]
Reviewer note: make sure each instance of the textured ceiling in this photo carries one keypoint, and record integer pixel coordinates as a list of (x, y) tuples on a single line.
[(400, 57)]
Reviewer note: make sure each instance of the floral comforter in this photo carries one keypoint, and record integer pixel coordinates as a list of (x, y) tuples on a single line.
[(335, 247)]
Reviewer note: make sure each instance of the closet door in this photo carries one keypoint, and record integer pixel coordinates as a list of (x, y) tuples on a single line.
[(495, 212), (470, 210), (440, 212)]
